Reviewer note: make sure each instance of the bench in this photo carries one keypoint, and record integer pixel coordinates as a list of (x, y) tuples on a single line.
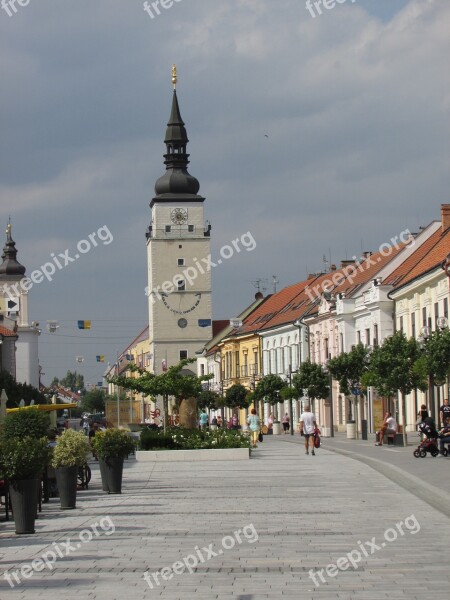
[(392, 439)]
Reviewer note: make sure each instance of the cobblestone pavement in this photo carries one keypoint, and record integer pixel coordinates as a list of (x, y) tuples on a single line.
[(273, 527)]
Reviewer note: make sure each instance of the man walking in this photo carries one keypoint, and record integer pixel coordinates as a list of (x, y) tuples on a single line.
[(307, 426)]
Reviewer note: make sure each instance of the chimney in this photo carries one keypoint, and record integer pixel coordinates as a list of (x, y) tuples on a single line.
[(445, 216), (347, 263), (332, 267), (367, 254)]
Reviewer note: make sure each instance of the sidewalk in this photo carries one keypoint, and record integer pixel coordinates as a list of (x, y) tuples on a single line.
[(248, 531)]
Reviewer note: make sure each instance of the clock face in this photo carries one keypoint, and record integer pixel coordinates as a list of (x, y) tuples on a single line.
[(182, 323), (181, 304), (179, 216)]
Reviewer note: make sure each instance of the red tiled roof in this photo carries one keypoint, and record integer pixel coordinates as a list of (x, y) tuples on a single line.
[(427, 257), (7, 332)]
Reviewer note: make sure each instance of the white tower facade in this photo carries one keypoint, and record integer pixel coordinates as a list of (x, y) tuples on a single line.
[(14, 288), (178, 254)]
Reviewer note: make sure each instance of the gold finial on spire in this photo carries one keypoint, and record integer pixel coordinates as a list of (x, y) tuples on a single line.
[(174, 76), (8, 228)]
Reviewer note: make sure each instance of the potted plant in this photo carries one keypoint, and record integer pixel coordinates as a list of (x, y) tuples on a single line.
[(70, 453), (22, 461), (111, 447)]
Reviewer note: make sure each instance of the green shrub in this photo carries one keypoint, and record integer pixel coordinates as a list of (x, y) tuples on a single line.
[(71, 449), (23, 458), (178, 438), (28, 422), (113, 443)]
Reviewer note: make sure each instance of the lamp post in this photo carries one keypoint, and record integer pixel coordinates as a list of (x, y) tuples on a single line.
[(291, 408), (330, 396), (423, 341)]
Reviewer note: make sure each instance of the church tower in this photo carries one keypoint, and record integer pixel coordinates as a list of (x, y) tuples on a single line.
[(14, 287), (178, 255)]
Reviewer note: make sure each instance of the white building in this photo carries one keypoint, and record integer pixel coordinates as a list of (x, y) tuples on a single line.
[(14, 305)]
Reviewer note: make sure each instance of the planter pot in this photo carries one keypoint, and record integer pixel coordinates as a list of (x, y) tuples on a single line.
[(112, 471), (276, 430), (24, 498), (66, 478), (101, 464)]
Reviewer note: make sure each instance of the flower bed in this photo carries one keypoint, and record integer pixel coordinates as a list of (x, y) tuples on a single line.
[(193, 439)]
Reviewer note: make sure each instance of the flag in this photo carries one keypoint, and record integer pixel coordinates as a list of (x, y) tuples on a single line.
[(100, 358), (84, 324)]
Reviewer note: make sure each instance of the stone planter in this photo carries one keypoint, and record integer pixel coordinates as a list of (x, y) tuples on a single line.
[(231, 454), (24, 498), (276, 430), (112, 472), (66, 479)]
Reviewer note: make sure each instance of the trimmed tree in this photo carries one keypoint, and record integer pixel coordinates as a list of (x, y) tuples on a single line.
[(269, 388), (312, 381), (394, 369), (176, 381), (236, 396)]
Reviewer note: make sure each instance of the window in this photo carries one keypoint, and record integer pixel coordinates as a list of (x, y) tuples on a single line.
[(375, 335), (237, 363), (183, 354), (202, 369), (168, 228), (400, 324), (358, 337), (341, 342), (424, 316), (446, 308), (255, 358), (413, 325), (180, 262), (191, 228), (181, 285), (367, 337), (436, 313)]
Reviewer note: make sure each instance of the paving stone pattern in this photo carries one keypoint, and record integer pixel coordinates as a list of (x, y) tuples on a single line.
[(295, 513)]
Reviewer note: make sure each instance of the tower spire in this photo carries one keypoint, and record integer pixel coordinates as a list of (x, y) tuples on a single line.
[(10, 267), (176, 180)]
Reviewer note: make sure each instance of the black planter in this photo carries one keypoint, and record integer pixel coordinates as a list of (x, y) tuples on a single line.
[(66, 478), (24, 497), (113, 470), (101, 464)]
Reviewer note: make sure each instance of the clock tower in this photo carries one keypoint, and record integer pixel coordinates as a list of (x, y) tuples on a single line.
[(178, 255)]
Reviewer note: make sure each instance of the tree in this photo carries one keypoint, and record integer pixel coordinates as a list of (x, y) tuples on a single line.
[(312, 381), (176, 381), (268, 389), (73, 381), (394, 369), (236, 396), (437, 356), (349, 368), (93, 401), (208, 399), (19, 391)]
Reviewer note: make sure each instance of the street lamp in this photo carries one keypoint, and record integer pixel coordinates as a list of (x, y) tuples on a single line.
[(291, 408), (330, 397)]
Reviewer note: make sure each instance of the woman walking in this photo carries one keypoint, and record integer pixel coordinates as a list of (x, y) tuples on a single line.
[(254, 426)]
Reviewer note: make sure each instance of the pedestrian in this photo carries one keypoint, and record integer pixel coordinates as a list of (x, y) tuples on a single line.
[(214, 423), (307, 426), (389, 426), (204, 420), (219, 422), (270, 422), (444, 435), (235, 422), (444, 412), (286, 423), (254, 426)]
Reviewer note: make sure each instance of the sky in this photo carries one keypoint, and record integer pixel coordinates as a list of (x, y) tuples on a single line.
[(322, 135)]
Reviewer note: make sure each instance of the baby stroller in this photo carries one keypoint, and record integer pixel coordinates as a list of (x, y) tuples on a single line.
[(429, 443)]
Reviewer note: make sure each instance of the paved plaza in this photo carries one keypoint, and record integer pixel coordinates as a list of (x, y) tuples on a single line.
[(281, 525)]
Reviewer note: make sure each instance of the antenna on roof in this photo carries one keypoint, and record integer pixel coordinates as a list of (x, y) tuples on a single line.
[(275, 281), (325, 264), (258, 284)]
